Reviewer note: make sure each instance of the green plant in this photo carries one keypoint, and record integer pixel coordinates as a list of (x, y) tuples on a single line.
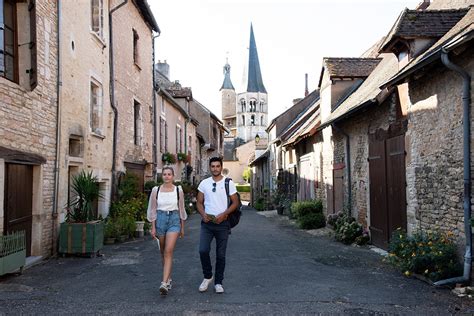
[(182, 157), (110, 228), (260, 204), (303, 208), (247, 174), (86, 189), (347, 229), (149, 185), (312, 221), (168, 158), (332, 219), (243, 188), (128, 187), (432, 254)]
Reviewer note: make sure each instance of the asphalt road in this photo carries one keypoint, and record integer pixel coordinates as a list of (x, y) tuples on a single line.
[(272, 268)]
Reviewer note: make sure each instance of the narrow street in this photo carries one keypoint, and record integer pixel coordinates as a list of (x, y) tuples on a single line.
[(272, 268)]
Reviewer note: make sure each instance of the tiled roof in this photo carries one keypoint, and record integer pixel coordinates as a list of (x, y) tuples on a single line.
[(350, 67), (422, 24), (368, 91), (463, 27)]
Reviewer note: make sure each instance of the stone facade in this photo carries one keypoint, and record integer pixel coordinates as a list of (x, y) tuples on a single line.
[(133, 81), (435, 172), (28, 116), (86, 113)]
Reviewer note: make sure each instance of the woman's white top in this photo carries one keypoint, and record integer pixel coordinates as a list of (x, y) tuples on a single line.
[(167, 201)]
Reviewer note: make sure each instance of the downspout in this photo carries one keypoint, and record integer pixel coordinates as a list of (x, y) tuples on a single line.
[(112, 96), (155, 115), (348, 164), (466, 103), (58, 135)]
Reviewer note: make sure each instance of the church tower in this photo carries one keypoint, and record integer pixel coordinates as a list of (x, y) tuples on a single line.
[(228, 101), (252, 105)]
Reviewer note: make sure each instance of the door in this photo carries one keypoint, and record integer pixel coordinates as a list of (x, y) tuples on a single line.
[(139, 171), (387, 187), (338, 194), (19, 200)]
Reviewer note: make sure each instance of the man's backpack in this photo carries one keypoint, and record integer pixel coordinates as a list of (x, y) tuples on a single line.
[(234, 217)]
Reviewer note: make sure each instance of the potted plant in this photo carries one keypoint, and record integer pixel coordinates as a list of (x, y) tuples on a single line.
[(168, 158), (182, 157), (82, 232)]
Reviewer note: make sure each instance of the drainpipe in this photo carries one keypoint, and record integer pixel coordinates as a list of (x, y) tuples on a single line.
[(466, 103), (155, 116), (348, 164), (112, 96), (58, 135)]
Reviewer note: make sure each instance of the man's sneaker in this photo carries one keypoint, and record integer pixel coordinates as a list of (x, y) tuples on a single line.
[(205, 284), (219, 289), (164, 288)]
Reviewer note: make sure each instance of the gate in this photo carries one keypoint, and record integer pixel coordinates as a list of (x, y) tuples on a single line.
[(18, 200)]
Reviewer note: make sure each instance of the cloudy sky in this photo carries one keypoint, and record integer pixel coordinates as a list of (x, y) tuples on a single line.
[(292, 38)]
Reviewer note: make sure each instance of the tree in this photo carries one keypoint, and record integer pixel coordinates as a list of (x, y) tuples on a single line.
[(247, 173)]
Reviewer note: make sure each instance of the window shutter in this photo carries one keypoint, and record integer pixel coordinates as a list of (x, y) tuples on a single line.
[(166, 136), (33, 70)]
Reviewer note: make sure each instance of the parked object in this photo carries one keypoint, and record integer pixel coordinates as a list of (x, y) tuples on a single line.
[(12, 252)]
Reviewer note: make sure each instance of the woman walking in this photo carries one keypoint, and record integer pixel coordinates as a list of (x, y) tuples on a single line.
[(167, 215)]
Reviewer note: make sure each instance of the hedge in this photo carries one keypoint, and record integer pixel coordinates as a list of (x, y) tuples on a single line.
[(243, 188)]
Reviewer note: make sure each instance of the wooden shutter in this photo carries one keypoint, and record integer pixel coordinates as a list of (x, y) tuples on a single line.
[(33, 68)]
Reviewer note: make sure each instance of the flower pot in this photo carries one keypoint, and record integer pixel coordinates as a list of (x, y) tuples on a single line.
[(81, 238), (139, 233)]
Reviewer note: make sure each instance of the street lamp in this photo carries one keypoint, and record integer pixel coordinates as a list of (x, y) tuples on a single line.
[(257, 139)]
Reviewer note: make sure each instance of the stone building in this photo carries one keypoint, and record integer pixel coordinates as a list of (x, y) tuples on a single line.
[(86, 115), (131, 46), (28, 122)]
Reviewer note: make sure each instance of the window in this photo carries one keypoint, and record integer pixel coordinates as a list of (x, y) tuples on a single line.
[(242, 103), (243, 119), (135, 46), (261, 105), (253, 105), (162, 135), (252, 120), (75, 146), (97, 17), (18, 61), (178, 139), (95, 108), (162, 105), (137, 126), (190, 144), (261, 120)]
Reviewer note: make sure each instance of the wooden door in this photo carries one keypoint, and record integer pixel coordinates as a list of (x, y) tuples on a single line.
[(19, 200)]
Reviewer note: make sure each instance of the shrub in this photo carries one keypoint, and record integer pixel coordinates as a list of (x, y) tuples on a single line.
[(332, 219), (312, 221), (300, 209), (246, 175), (260, 204), (347, 229), (243, 188), (426, 253), (128, 187)]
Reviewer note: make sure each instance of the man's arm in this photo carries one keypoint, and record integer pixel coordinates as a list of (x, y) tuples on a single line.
[(200, 206), (232, 207)]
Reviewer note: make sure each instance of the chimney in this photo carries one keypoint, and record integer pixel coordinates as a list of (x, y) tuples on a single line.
[(423, 5), (164, 68), (306, 91)]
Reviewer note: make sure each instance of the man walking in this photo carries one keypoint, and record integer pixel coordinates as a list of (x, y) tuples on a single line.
[(212, 204)]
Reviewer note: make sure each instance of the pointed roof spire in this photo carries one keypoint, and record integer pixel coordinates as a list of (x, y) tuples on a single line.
[(227, 84), (254, 82)]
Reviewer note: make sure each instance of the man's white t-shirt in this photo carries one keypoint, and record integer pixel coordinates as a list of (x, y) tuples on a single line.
[(215, 202)]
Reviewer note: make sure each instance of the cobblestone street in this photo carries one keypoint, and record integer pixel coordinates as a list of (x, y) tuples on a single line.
[(272, 268)]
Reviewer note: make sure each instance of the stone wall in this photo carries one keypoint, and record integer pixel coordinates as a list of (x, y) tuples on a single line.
[(434, 149), (28, 124), (133, 83)]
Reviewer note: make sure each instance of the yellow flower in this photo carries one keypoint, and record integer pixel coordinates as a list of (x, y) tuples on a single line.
[(407, 273)]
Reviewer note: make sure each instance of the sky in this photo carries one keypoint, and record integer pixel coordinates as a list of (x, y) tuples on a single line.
[(197, 36)]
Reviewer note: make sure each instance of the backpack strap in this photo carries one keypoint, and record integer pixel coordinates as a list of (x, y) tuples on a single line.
[(227, 180), (177, 193)]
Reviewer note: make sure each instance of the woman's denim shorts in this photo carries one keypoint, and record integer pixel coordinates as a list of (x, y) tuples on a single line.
[(167, 222)]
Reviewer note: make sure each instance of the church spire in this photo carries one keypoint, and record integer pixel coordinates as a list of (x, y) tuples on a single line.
[(254, 82), (227, 84)]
